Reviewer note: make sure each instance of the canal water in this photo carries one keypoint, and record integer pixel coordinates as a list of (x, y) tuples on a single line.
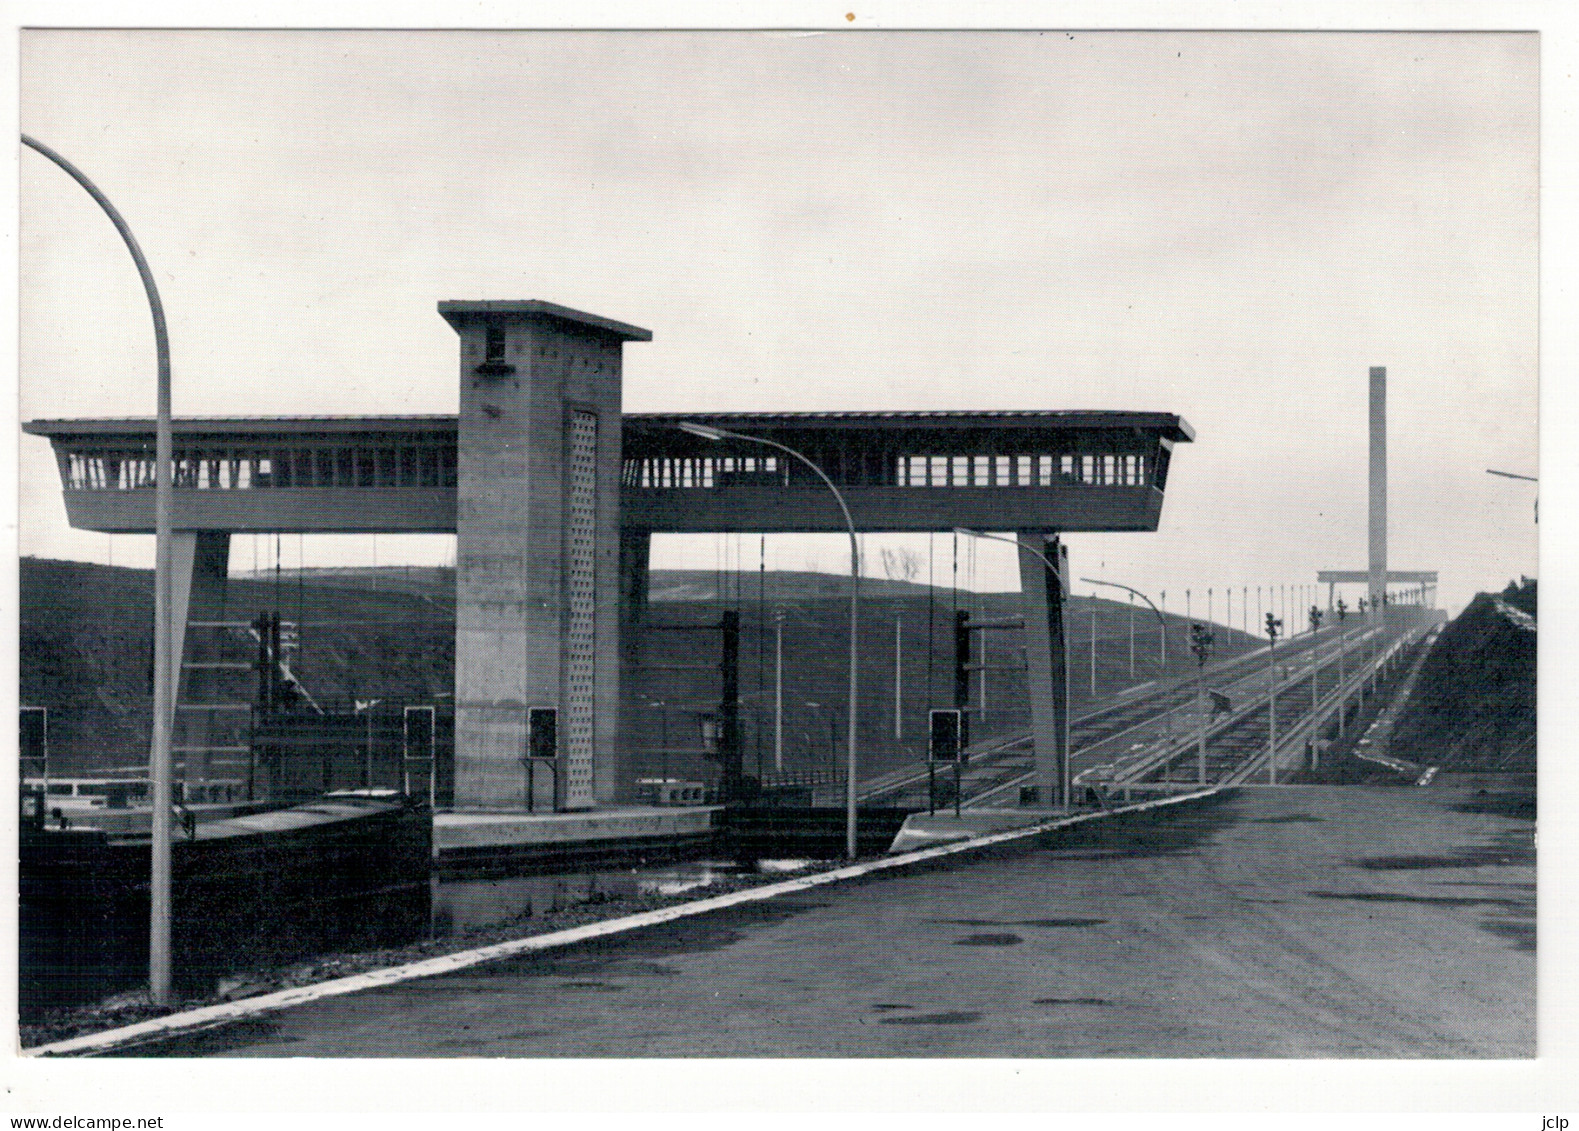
[(462, 907)]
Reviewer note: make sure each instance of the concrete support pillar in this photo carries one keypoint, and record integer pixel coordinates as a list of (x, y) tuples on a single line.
[(537, 542), (1042, 598), (211, 730), (635, 558), (183, 554)]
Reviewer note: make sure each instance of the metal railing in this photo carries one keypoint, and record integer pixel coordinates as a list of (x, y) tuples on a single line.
[(1134, 775), (1338, 699)]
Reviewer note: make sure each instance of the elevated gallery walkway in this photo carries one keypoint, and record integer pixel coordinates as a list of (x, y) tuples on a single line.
[(899, 471), (1039, 474)]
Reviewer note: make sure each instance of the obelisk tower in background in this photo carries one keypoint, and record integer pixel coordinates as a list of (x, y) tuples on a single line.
[(1378, 539)]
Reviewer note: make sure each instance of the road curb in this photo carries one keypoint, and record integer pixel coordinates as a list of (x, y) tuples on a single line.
[(208, 1017)]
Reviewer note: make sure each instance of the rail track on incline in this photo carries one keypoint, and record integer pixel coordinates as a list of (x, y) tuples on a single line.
[(997, 766)]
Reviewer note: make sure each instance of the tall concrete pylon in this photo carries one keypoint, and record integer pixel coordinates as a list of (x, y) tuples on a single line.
[(1378, 529), (539, 439)]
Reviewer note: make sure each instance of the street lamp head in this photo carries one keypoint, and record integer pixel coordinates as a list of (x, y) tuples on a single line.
[(702, 430)]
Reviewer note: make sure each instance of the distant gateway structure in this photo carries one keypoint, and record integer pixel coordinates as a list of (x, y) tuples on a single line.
[(1423, 579), (554, 493)]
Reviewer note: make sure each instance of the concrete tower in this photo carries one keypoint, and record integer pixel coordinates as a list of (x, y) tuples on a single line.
[(1378, 529), (537, 543)]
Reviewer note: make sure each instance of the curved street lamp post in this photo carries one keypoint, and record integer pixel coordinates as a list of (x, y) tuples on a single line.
[(159, 755), (1162, 623), (1527, 479), (706, 432)]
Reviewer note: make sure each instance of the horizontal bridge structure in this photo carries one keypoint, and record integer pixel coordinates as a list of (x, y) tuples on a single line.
[(554, 493), (1360, 576), (899, 471), (1421, 581)]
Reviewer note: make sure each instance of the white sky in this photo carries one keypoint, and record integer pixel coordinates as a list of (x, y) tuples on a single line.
[(1229, 226)]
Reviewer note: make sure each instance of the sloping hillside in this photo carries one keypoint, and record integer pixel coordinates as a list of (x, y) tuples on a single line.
[(1474, 705), (85, 643), (388, 633)]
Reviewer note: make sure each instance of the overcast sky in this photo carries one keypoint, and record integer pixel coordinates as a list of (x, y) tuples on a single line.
[(1233, 227)]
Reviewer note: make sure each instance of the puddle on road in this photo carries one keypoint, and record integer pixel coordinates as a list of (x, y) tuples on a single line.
[(1429, 900), (1514, 848), (573, 965), (961, 1017), (1512, 920), (1515, 885), (1021, 922), (1058, 923), (1519, 804), (1517, 929), (1287, 819), (989, 940)]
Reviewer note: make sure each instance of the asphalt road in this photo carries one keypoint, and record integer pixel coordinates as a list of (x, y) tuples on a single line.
[(1320, 921)]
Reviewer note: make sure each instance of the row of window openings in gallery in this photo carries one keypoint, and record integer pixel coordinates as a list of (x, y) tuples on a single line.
[(873, 469), (417, 466), (434, 466)]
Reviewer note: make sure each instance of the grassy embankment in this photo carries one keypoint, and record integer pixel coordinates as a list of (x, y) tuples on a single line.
[(388, 633)]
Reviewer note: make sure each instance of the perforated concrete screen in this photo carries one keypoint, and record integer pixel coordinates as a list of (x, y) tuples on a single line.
[(581, 576)]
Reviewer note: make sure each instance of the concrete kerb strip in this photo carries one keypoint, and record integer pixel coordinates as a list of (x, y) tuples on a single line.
[(211, 1016)]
